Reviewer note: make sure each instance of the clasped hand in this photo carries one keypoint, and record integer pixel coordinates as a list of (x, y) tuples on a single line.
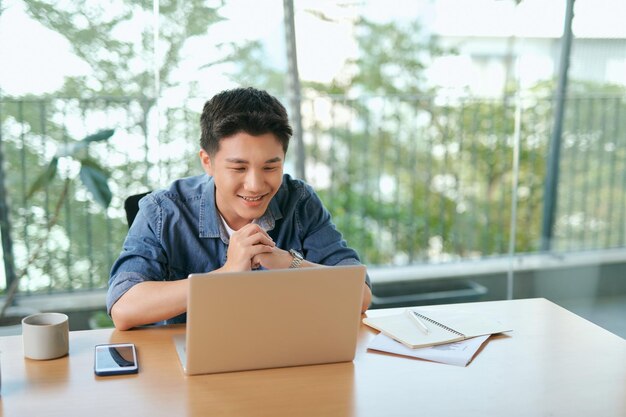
[(251, 247)]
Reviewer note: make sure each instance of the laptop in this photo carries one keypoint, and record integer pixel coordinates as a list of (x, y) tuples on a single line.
[(240, 321)]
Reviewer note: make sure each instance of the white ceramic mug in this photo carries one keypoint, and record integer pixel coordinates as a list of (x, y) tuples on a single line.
[(45, 335)]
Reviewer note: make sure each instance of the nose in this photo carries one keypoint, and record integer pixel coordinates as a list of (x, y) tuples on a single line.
[(254, 181)]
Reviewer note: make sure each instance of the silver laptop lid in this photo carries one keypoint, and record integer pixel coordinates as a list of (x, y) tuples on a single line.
[(277, 318)]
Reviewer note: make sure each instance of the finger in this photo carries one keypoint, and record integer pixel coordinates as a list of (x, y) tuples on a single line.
[(253, 228), (258, 249), (259, 239), (258, 257)]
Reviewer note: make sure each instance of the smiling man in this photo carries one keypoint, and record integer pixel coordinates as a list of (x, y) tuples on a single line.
[(243, 214)]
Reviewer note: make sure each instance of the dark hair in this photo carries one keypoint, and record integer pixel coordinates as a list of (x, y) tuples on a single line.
[(242, 110)]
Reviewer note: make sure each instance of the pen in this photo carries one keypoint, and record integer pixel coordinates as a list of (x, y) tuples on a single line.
[(413, 315)]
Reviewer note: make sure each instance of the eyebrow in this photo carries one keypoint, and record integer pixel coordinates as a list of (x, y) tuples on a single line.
[(243, 161)]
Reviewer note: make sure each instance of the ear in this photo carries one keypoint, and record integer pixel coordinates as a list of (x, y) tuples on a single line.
[(205, 159)]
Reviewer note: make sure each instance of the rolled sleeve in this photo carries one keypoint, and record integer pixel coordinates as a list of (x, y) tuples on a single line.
[(121, 283), (143, 257)]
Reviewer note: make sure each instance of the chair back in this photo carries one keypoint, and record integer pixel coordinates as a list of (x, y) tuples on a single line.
[(131, 206)]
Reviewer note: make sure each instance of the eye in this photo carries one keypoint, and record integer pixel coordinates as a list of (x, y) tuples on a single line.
[(238, 169), (270, 168)]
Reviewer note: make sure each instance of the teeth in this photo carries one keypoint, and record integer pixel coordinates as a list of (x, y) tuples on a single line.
[(251, 198)]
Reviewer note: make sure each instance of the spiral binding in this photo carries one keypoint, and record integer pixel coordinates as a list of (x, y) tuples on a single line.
[(438, 324)]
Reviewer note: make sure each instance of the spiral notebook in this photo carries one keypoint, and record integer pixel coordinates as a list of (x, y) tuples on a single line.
[(442, 326)]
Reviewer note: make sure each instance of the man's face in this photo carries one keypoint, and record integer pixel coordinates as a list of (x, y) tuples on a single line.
[(247, 171)]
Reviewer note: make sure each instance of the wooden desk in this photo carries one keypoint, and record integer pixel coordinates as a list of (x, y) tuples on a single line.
[(554, 364)]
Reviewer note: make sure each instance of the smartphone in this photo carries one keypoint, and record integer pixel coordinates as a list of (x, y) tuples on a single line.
[(115, 359)]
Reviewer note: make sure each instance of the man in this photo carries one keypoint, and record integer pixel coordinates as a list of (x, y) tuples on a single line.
[(243, 214)]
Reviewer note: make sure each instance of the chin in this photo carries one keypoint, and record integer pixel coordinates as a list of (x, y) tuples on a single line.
[(252, 214)]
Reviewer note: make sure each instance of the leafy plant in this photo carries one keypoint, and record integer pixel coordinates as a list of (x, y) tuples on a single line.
[(91, 174)]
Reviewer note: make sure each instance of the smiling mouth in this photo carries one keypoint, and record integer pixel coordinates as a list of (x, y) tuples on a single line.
[(257, 198)]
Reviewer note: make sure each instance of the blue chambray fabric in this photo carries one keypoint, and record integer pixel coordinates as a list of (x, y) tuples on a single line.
[(178, 231)]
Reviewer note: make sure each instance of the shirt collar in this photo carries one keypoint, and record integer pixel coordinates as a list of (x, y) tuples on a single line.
[(210, 222)]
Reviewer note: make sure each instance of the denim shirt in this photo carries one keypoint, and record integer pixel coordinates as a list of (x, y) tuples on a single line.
[(178, 231)]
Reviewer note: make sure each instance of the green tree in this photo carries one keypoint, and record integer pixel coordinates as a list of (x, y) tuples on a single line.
[(435, 167), (252, 67), (115, 41), (592, 164), (384, 200), (122, 65)]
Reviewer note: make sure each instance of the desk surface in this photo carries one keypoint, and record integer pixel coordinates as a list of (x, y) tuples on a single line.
[(554, 363)]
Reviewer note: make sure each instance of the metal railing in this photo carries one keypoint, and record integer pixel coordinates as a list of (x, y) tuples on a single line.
[(407, 179)]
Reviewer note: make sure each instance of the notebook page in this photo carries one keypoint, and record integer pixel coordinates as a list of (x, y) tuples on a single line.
[(401, 328), (469, 324)]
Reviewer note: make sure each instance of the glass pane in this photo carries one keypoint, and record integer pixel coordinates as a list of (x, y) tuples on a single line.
[(427, 131), (75, 70)]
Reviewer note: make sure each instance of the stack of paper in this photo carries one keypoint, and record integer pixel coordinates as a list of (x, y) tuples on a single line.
[(449, 336), (457, 353)]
